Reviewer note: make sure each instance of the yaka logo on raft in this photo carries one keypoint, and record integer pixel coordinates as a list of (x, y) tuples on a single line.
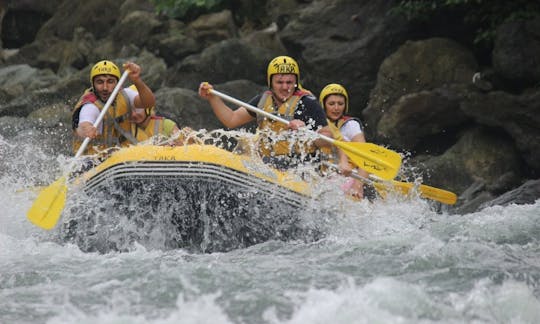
[(166, 158), (285, 68)]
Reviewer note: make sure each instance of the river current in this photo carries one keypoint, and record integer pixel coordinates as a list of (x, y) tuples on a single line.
[(391, 261)]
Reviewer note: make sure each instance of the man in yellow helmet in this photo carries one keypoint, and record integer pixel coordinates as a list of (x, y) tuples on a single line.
[(285, 98), (115, 129)]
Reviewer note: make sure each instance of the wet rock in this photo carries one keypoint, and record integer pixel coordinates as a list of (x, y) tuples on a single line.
[(228, 60), (136, 28), (418, 66), (515, 54), (527, 193), (18, 79), (423, 117), (479, 155), (212, 28), (517, 115), (332, 46)]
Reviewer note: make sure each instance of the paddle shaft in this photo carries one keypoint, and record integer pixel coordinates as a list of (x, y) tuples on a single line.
[(103, 111), (354, 174)]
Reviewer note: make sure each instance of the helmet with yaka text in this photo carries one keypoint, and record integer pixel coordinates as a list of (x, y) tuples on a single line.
[(104, 67), (282, 65), (337, 89)]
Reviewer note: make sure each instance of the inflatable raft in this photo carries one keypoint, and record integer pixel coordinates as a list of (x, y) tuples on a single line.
[(197, 197)]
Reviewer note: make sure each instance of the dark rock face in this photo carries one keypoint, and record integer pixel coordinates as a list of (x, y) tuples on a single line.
[(465, 124), (418, 66), (516, 52), (344, 41)]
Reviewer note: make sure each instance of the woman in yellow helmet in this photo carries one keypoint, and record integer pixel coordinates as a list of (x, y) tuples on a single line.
[(335, 101), (115, 129), (285, 98)]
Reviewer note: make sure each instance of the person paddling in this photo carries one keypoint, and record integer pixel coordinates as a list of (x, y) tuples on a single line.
[(335, 101), (286, 98), (145, 124), (115, 129)]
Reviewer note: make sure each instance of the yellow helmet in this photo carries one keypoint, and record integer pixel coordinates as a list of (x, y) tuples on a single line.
[(282, 65), (334, 88), (104, 67)]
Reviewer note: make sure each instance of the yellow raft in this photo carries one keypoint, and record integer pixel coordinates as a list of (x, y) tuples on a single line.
[(198, 197), (205, 163)]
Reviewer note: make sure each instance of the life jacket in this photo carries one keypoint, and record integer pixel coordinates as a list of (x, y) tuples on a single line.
[(269, 129), (116, 125), (154, 127), (330, 153), (344, 119)]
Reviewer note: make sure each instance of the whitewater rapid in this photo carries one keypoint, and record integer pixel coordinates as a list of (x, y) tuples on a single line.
[(393, 261)]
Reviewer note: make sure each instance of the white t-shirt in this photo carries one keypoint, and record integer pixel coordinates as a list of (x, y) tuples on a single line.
[(90, 112), (350, 129)]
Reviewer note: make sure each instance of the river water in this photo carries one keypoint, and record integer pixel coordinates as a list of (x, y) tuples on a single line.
[(393, 261)]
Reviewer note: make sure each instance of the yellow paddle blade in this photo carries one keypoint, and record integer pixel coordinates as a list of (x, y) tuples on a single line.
[(443, 196), (49, 204), (375, 159)]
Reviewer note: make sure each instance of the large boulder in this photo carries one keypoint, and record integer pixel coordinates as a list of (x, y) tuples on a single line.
[(516, 52), (417, 66), (212, 28), (136, 28), (95, 16), (417, 120), (480, 155), (62, 55), (232, 59), (517, 115), (343, 42), (15, 80), (173, 44)]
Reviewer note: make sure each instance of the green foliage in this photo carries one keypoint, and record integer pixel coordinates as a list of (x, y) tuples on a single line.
[(188, 9), (485, 15)]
